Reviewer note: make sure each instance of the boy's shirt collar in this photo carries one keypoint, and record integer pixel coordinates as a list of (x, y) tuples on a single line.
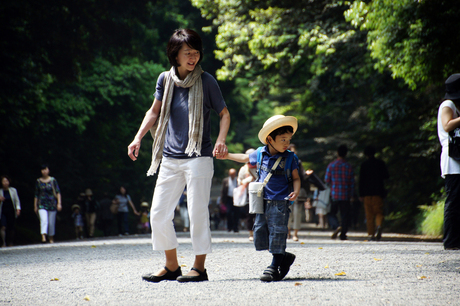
[(266, 150)]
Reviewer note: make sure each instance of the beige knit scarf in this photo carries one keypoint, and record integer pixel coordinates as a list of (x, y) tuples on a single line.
[(195, 115)]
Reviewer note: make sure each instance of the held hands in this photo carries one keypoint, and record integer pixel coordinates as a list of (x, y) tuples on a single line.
[(133, 149), (220, 151), (309, 172)]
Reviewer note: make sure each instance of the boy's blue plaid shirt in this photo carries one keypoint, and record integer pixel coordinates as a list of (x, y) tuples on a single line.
[(340, 177)]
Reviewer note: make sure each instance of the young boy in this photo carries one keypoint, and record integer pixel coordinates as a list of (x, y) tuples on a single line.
[(78, 221), (270, 228)]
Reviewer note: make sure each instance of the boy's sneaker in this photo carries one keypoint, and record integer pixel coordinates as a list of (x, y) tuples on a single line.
[(270, 274), (286, 264)]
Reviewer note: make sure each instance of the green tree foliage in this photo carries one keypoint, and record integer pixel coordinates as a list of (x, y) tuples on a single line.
[(416, 40), (304, 58), (76, 80)]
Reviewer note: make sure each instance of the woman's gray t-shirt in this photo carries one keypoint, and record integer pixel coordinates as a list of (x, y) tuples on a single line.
[(123, 202), (176, 139)]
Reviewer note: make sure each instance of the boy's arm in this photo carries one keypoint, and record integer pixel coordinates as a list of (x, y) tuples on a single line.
[(296, 183), (238, 157)]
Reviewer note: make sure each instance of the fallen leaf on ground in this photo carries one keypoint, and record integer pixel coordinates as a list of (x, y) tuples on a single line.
[(421, 277), (427, 253), (86, 298), (377, 259), (327, 266), (54, 279), (320, 248), (302, 243), (93, 246), (183, 265), (341, 274), (297, 284), (418, 266)]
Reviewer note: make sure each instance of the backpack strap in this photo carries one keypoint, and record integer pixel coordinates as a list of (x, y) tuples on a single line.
[(288, 165), (259, 160)]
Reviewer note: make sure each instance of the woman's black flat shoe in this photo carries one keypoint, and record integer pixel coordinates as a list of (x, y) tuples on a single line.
[(203, 276), (169, 275)]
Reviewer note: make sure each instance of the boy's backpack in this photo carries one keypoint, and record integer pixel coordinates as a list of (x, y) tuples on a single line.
[(287, 166)]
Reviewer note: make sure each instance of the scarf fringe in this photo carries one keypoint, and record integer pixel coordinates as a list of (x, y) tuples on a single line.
[(195, 109)]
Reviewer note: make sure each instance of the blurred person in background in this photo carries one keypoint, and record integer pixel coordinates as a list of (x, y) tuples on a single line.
[(448, 129), (47, 202), (10, 209)]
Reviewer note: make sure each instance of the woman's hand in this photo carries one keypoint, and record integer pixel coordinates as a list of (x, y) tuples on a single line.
[(133, 149), (59, 207), (36, 209)]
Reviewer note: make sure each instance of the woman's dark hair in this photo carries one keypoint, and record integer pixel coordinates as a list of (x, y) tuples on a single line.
[(43, 166), (190, 37), (5, 176), (119, 192)]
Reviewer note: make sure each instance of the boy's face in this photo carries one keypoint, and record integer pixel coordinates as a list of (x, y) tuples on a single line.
[(281, 142)]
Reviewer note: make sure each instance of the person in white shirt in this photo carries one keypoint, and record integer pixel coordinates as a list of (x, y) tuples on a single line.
[(449, 121)]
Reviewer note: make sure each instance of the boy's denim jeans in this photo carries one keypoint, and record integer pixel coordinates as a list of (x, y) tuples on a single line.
[(270, 229)]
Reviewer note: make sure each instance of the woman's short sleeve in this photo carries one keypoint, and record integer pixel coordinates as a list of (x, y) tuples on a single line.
[(159, 89)]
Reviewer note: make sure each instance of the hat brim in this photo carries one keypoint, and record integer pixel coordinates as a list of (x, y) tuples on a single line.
[(270, 127), (75, 206), (452, 96)]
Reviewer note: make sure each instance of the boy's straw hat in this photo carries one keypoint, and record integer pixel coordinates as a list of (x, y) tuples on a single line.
[(75, 206), (275, 122), (144, 204)]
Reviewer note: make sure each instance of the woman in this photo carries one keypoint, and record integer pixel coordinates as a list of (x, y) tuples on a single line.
[(123, 200), (10, 209), (47, 202), (181, 110), (449, 120)]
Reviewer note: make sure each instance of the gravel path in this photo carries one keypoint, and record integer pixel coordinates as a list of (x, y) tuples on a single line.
[(108, 272)]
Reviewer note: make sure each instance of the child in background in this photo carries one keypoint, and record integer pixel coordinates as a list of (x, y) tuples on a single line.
[(270, 228), (78, 221), (144, 224)]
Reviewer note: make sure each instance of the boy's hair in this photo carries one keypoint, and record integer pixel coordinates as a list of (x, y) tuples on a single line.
[(342, 150), (281, 130), (190, 37)]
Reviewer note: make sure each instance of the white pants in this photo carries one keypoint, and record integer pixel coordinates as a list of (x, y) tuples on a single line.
[(174, 175), (47, 221)]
